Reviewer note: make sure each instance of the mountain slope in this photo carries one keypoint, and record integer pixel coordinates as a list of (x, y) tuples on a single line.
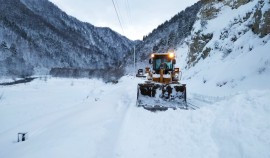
[(45, 37), (226, 27), (168, 35), (228, 47)]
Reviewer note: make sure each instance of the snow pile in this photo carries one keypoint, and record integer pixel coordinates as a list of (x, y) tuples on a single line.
[(230, 128), (241, 128)]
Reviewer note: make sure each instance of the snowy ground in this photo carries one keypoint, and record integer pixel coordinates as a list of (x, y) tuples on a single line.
[(88, 118)]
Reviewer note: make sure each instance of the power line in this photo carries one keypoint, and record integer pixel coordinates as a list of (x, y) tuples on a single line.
[(118, 16), (128, 12), (121, 17)]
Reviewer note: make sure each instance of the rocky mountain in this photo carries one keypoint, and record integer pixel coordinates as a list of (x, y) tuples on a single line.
[(209, 27), (36, 37), (228, 26), (228, 47)]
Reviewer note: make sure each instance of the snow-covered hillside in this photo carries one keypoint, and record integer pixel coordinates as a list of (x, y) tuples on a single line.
[(36, 36), (169, 34), (224, 52), (88, 118)]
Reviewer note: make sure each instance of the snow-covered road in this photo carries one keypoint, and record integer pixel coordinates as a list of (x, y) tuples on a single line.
[(88, 118)]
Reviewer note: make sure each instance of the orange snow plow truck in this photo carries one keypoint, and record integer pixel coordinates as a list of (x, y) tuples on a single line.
[(162, 88)]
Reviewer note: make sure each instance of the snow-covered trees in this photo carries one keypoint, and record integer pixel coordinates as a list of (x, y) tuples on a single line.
[(170, 34), (38, 34)]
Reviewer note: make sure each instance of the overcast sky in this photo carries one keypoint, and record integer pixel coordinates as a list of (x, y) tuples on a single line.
[(138, 17)]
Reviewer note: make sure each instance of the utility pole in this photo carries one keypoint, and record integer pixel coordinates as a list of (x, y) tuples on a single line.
[(134, 62)]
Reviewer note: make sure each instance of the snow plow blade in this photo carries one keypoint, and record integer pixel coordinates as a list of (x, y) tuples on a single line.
[(161, 97)]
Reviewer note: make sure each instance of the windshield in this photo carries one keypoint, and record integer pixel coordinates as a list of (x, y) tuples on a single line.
[(162, 61)]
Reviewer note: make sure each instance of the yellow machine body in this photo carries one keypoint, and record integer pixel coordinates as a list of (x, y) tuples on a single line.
[(162, 90)]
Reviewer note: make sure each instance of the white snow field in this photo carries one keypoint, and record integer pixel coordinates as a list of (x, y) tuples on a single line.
[(88, 118)]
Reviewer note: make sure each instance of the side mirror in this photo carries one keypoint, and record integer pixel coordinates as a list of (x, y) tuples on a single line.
[(173, 61), (150, 61)]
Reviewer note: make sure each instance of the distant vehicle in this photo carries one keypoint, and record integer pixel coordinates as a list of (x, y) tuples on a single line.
[(140, 73)]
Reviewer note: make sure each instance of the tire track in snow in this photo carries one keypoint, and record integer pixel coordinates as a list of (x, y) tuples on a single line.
[(125, 95)]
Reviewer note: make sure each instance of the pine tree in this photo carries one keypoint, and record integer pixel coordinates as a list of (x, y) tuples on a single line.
[(4, 44), (13, 49), (172, 39)]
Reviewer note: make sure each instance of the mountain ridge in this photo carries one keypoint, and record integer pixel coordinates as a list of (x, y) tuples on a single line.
[(46, 37), (168, 35)]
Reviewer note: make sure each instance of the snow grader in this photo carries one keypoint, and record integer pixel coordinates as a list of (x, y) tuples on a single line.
[(162, 89)]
